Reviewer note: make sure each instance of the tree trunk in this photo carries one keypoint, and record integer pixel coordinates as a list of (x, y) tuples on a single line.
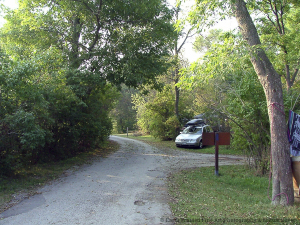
[(177, 94), (281, 166), (74, 56), (176, 76), (177, 101), (176, 79)]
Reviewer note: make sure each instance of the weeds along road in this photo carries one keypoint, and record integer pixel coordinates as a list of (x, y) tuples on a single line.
[(128, 187)]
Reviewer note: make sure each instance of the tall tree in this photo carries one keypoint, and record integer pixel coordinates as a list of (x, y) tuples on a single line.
[(271, 82), (121, 41), (183, 33)]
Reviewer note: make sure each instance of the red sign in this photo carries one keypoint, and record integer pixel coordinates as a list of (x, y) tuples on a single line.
[(224, 138), (211, 138), (208, 138)]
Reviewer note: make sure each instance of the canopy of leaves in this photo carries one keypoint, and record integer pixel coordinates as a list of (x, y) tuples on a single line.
[(278, 25), (121, 41), (155, 112)]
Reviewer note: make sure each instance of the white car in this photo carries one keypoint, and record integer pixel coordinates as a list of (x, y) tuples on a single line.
[(192, 136)]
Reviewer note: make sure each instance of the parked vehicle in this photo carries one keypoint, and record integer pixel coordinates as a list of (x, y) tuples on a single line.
[(192, 136)]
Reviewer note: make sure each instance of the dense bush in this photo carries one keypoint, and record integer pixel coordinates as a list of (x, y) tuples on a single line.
[(43, 117), (156, 113)]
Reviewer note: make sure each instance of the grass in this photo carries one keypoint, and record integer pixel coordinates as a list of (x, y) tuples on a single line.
[(234, 197), (226, 150), (27, 180)]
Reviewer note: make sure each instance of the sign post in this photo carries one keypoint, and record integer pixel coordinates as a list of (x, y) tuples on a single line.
[(216, 154), (216, 139)]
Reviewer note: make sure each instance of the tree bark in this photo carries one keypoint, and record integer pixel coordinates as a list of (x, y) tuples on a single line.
[(282, 192), (74, 55), (177, 91), (176, 70), (177, 50)]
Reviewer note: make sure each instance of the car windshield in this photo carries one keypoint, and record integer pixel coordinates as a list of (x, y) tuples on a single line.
[(193, 130)]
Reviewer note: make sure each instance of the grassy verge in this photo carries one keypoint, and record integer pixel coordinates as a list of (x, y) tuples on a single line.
[(29, 179), (226, 150), (235, 197)]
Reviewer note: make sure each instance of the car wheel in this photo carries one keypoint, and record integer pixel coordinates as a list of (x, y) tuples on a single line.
[(200, 144)]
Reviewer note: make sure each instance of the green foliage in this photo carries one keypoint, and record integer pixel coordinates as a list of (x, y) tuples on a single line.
[(24, 117), (172, 125), (203, 43), (278, 25), (207, 13), (236, 92), (123, 113), (127, 44), (156, 113), (226, 82), (43, 118), (61, 64)]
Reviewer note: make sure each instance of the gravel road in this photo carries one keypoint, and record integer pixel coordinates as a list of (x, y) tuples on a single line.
[(128, 187)]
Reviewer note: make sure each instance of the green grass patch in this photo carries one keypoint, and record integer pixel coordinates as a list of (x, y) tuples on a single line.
[(27, 180), (226, 150), (235, 197)]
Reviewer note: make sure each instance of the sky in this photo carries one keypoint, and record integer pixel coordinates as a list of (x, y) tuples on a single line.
[(188, 50), (9, 3), (225, 25)]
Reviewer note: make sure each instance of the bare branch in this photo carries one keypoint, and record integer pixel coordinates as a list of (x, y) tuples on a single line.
[(185, 39)]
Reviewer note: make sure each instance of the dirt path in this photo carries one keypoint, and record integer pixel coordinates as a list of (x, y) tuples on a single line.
[(128, 187)]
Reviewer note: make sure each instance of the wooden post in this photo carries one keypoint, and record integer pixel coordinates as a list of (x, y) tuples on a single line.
[(216, 154)]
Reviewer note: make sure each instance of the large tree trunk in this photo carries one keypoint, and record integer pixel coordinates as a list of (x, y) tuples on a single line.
[(281, 166)]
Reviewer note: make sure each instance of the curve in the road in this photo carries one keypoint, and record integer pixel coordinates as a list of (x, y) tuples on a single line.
[(128, 187)]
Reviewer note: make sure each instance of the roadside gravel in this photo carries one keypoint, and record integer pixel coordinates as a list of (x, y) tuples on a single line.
[(128, 187)]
